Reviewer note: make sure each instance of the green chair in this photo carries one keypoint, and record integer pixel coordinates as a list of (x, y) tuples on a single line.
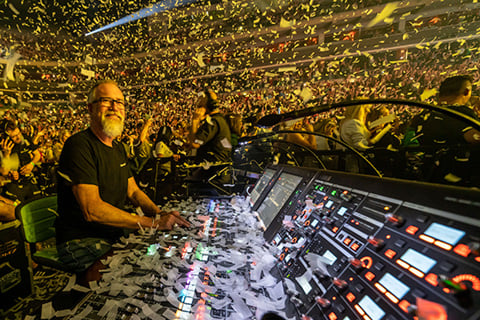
[(38, 218)]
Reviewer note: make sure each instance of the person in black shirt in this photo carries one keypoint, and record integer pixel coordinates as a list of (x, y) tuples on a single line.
[(211, 136), (456, 140), (95, 182), (210, 133)]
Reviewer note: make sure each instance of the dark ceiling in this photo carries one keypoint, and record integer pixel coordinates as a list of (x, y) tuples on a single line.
[(68, 17)]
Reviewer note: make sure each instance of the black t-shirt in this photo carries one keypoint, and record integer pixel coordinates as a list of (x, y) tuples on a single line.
[(441, 129), (214, 138), (86, 160), (24, 151)]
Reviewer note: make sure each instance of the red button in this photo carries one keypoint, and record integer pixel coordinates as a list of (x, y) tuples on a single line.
[(462, 249), (370, 276), (350, 297), (412, 230), (390, 253)]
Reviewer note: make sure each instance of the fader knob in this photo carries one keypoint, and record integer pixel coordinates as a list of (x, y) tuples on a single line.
[(322, 302), (339, 283), (296, 301), (412, 310), (357, 264), (394, 219), (376, 242), (305, 317)]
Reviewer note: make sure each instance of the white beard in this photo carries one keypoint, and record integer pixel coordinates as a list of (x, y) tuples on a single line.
[(111, 127)]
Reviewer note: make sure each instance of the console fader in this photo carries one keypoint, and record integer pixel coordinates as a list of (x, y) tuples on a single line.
[(358, 247)]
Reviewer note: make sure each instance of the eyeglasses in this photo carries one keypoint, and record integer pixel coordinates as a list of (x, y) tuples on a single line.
[(109, 102)]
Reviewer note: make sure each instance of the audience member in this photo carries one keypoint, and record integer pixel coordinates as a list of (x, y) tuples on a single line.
[(19, 157)]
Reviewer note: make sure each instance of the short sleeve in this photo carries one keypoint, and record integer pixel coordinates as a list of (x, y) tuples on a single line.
[(77, 163)]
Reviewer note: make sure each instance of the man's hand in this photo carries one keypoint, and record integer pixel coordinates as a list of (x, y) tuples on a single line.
[(7, 146), (199, 114), (168, 220), (14, 175), (26, 169)]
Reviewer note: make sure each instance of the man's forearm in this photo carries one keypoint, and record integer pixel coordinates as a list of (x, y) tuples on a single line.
[(140, 199), (104, 213)]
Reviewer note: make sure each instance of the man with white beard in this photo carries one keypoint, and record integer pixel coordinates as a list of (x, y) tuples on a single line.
[(94, 183)]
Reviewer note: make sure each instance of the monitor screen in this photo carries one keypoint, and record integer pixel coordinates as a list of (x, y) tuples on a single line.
[(260, 185), (277, 197)]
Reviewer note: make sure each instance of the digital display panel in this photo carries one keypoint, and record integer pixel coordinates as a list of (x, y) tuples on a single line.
[(341, 211), (314, 223), (330, 256), (444, 233), (281, 191), (395, 286), (418, 260), (329, 204), (371, 308), (261, 184), (304, 284)]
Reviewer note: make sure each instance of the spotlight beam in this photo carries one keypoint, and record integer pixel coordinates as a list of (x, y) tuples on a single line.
[(143, 13)]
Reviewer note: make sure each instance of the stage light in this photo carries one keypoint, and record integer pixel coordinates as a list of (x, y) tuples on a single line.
[(145, 12)]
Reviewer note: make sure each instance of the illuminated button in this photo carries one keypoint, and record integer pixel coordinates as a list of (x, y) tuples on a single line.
[(335, 229), (347, 241), (370, 276), (390, 253), (432, 279), (332, 316), (350, 297), (416, 272), (365, 317), (380, 287), (443, 245), (462, 249), (359, 310), (391, 297), (412, 230), (355, 246), (402, 264), (404, 304), (426, 238)]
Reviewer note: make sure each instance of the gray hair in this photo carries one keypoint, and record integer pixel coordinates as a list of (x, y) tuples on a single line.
[(92, 92)]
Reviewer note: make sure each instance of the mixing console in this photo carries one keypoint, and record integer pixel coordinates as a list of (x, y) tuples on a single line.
[(357, 247), (317, 245)]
